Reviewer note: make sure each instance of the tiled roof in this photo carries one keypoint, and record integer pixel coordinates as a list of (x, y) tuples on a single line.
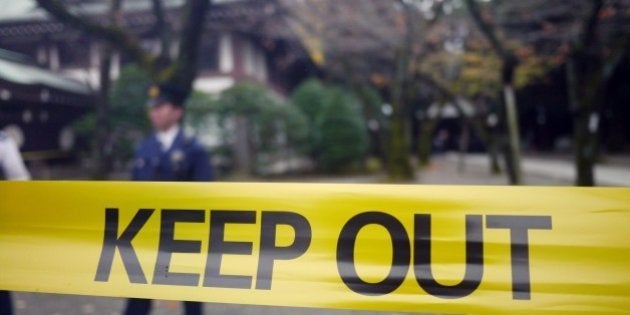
[(250, 16), (15, 68)]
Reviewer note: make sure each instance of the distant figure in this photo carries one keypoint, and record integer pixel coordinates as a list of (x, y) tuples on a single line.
[(11, 168), (440, 142), (168, 155), (11, 163)]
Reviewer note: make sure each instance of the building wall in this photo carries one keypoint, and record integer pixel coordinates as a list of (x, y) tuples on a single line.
[(224, 60)]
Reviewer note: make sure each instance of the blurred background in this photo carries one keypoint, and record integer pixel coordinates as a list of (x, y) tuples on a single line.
[(430, 91)]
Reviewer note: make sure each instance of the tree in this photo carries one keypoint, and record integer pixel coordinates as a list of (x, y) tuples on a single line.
[(103, 150), (180, 71), (343, 140), (465, 74), (127, 98), (589, 39), (406, 48), (309, 97), (509, 62), (592, 61), (337, 135), (258, 127), (373, 43)]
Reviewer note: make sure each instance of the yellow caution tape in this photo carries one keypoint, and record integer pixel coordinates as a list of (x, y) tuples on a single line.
[(432, 249)]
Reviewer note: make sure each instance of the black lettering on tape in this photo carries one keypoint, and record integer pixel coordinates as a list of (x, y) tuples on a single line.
[(519, 246), (111, 242), (474, 258), (269, 252), (400, 260), (218, 247), (169, 245)]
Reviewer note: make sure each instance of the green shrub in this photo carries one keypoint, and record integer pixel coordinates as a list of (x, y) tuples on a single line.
[(344, 140), (127, 114), (272, 125), (337, 137)]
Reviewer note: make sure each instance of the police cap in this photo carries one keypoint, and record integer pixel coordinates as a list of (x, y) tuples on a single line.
[(163, 93)]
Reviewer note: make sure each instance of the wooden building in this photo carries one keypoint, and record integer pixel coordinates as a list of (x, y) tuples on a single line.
[(242, 39), (37, 107)]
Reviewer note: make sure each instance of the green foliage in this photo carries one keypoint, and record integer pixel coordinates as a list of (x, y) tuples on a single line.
[(308, 97), (474, 73), (245, 98), (84, 127), (343, 133), (273, 125), (532, 69), (479, 75), (127, 113), (128, 98), (372, 101), (337, 135), (199, 107)]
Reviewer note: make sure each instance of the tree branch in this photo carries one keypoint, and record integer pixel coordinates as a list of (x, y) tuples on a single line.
[(113, 34), (589, 27), (448, 95), (161, 28), (486, 28), (618, 51), (193, 17)]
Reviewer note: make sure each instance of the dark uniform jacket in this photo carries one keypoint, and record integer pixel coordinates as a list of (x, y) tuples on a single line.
[(185, 160)]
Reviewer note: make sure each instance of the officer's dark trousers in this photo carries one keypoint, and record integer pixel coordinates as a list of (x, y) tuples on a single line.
[(5, 303), (143, 306)]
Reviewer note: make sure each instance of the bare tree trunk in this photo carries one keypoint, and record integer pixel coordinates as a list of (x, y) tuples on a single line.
[(426, 134), (491, 141), (586, 98), (102, 152), (514, 164), (588, 72), (486, 135), (509, 63), (193, 17), (583, 153), (162, 29), (464, 142), (585, 149), (424, 141), (103, 146), (493, 152), (243, 153), (398, 164)]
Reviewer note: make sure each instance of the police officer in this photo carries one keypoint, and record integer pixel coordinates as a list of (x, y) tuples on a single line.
[(168, 155), (12, 168)]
